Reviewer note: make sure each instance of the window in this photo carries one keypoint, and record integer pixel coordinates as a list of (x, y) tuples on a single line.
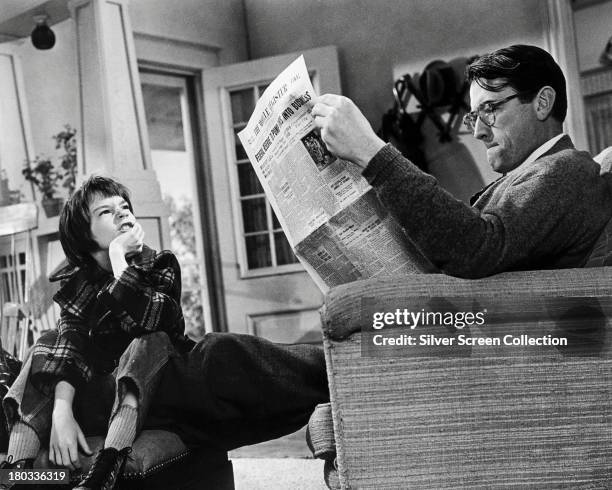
[(265, 248)]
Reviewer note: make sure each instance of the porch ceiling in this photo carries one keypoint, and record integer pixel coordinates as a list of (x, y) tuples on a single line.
[(16, 15)]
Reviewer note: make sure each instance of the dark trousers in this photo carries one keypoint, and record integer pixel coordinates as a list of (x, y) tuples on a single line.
[(229, 390)]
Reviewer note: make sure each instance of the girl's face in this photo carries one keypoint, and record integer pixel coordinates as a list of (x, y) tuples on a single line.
[(110, 217)]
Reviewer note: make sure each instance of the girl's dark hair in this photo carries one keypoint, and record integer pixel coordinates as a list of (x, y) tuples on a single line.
[(75, 220), (524, 68)]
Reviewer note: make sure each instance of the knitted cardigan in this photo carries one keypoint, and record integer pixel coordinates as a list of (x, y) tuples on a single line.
[(543, 215)]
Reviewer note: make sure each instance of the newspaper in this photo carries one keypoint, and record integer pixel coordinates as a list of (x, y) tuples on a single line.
[(331, 216)]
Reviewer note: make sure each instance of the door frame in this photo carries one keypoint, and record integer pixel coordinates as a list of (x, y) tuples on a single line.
[(560, 42), (159, 55)]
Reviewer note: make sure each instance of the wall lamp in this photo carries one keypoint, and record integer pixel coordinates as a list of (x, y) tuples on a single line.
[(42, 36)]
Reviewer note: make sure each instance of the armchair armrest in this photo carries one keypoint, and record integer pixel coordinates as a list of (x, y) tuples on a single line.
[(342, 308)]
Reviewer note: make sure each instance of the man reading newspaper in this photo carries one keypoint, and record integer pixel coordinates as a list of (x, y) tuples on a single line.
[(546, 210)]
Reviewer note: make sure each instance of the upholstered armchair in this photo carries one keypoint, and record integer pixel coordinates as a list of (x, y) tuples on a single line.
[(472, 416)]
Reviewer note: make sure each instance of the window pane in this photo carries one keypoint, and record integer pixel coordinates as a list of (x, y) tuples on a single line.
[(242, 105), (599, 121), (254, 215), (249, 183), (240, 151), (262, 88), (5, 282), (275, 223), (258, 251), (284, 254), (164, 117), (183, 243), (191, 300)]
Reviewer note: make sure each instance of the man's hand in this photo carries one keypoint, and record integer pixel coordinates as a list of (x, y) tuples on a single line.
[(345, 130), (129, 242), (66, 438)]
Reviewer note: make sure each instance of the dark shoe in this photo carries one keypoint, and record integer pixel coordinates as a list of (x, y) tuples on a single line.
[(22, 464), (105, 469)]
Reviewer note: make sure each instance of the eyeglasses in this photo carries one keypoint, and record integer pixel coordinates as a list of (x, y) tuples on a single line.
[(486, 112)]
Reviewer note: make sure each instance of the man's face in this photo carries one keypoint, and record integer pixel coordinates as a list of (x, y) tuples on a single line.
[(513, 135), (110, 216)]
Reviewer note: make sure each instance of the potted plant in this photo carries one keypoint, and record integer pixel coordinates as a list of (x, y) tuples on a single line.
[(43, 174), (67, 140)]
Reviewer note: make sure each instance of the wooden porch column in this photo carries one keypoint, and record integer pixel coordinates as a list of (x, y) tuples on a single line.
[(113, 132)]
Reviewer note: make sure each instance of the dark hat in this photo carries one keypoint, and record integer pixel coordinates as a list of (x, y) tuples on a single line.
[(442, 81)]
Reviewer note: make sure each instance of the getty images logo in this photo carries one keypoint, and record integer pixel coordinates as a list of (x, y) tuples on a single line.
[(414, 319)]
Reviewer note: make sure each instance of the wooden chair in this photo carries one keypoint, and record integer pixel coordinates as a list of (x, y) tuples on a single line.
[(508, 416), (17, 328)]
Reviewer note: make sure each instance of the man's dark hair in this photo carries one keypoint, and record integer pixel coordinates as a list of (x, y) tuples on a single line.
[(524, 68), (75, 220)]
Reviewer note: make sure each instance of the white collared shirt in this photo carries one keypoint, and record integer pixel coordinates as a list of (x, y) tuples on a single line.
[(540, 150)]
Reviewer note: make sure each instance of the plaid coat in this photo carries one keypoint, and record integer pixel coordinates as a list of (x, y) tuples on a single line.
[(100, 315)]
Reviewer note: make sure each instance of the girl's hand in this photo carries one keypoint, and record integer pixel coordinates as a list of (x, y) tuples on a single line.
[(66, 438), (126, 244), (129, 242)]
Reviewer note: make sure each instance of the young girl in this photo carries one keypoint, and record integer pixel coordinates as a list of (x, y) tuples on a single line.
[(121, 337)]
